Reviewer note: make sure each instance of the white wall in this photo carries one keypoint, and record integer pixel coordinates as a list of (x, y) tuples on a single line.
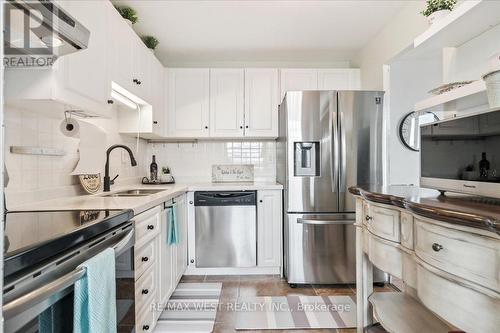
[(35, 178), (396, 35), (192, 162)]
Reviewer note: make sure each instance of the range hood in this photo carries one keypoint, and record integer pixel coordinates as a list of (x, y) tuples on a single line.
[(52, 31)]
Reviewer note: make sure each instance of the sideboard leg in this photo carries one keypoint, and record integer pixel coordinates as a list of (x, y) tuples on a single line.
[(364, 284)]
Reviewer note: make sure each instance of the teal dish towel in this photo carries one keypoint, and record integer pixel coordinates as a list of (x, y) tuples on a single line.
[(173, 228), (95, 296)]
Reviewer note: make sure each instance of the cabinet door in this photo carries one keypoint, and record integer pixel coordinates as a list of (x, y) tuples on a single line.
[(181, 248), (339, 79), (166, 261), (188, 102), (261, 102), (143, 59), (120, 42), (269, 222), (157, 88), (86, 71), (226, 102), (298, 79)]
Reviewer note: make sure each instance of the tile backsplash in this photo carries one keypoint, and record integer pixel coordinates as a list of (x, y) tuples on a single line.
[(35, 178), (192, 162)]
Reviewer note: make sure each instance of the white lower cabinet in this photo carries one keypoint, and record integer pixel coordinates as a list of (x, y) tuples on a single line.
[(269, 226), (158, 265)]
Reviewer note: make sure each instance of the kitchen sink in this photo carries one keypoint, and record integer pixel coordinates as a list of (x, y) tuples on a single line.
[(133, 193)]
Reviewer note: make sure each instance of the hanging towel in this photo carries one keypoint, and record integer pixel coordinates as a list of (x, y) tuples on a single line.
[(95, 296), (172, 229)]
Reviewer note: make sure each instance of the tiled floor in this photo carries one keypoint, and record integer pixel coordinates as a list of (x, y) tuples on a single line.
[(267, 285)]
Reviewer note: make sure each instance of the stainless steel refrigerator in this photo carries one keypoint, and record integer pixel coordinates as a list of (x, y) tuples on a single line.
[(328, 141)]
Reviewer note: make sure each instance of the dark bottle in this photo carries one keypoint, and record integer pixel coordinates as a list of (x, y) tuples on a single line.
[(153, 170), (484, 167)]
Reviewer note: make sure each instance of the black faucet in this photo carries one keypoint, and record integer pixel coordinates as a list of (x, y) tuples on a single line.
[(107, 181)]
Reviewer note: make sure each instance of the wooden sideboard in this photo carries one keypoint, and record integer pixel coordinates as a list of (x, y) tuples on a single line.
[(447, 258)]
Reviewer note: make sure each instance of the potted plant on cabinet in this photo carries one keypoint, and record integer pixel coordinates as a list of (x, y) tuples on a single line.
[(128, 13), (437, 9), (151, 42)]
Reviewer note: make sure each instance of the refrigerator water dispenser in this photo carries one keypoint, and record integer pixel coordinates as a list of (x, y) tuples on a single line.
[(307, 159)]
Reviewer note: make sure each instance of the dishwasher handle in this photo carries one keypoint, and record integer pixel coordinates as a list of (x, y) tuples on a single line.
[(225, 198)]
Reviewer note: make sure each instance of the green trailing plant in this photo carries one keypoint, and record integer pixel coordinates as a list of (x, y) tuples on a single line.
[(128, 13), (151, 42), (435, 5)]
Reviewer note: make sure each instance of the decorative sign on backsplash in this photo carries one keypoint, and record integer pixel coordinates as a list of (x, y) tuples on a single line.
[(91, 182), (232, 173)]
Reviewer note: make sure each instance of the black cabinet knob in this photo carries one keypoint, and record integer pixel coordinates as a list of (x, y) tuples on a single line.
[(135, 80), (138, 82), (206, 127), (145, 327), (437, 247), (151, 227), (110, 101), (145, 291), (144, 259), (241, 127), (368, 218), (155, 122), (246, 126), (261, 201)]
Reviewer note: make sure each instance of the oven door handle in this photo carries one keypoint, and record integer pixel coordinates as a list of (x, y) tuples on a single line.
[(23, 303)]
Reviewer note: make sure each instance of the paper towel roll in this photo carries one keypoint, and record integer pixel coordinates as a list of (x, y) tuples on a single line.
[(70, 127), (92, 149)]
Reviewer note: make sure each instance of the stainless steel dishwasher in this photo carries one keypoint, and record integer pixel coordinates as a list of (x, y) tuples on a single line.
[(225, 229)]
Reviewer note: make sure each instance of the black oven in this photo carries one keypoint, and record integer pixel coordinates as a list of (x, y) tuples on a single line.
[(33, 287)]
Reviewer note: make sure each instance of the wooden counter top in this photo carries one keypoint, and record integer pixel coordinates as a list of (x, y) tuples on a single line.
[(470, 211)]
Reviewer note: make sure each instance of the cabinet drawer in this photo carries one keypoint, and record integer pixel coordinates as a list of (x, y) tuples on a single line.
[(144, 258), (147, 226), (472, 257), (145, 290), (466, 308), (145, 322), (384, 223), (385, 255)]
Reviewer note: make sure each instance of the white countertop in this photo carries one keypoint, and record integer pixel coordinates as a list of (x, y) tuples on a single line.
[(138, 203)]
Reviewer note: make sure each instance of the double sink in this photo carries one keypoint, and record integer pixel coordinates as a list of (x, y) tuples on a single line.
[(134, 193)]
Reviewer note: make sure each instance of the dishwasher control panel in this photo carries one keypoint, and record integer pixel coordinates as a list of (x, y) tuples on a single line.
[(225, 198)]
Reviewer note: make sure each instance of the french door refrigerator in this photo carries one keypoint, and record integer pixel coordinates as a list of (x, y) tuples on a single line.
[(328, 141)]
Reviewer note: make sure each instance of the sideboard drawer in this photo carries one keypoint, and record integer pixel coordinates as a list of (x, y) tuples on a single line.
[(466, 308), (472, 257), (384, 222)]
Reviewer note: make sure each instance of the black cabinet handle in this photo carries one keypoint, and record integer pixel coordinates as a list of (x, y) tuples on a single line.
[(437, 247), (145, 291), (138, 82), (135, 80), (151, 227), (144, 259), (110, 101), (155, 122), (145, 327)]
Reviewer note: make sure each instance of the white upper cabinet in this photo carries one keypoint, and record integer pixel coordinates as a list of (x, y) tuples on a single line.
[(188, 102), (226, 102), (293, 79), (86, 72), (157, 74), (143, 60), (121, 43), (261, 102), (339, 79)]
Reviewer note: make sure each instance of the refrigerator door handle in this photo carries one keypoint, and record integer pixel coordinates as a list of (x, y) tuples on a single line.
[(342, 149), (334, 135), (323, 222)]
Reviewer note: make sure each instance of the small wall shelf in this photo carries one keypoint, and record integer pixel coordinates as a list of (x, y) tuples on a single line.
[(475, 89), (399, 312), (467, 21)]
